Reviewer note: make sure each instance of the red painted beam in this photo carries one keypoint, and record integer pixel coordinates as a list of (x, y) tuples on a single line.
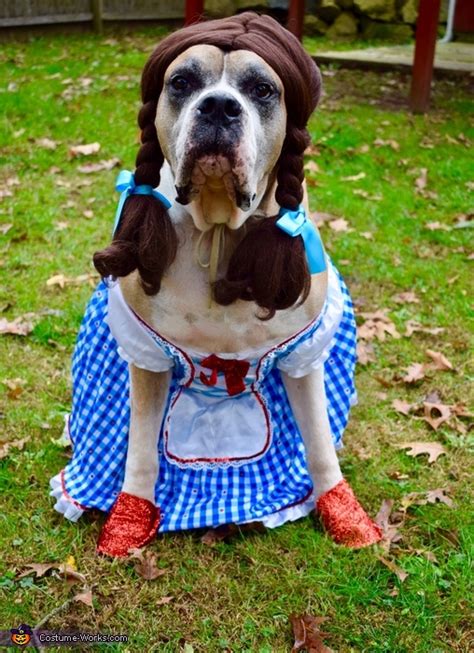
[(425, 45), (194, 11), (296, 18)]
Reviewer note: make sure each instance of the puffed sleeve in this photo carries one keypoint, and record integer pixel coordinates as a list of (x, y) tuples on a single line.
[(313, 349), (135, 343)]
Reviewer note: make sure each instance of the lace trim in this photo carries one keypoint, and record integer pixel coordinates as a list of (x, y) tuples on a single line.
[(65, 504)]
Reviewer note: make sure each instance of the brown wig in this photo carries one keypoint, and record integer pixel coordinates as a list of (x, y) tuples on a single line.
[(267, 266)]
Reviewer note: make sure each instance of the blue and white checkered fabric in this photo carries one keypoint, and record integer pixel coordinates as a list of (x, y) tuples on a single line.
[(190, 497)]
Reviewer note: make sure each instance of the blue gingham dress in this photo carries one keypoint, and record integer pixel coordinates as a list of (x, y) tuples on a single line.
[(202, 481)]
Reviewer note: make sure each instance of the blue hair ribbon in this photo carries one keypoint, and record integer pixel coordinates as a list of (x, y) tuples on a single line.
[(296, 223), (125, 184)]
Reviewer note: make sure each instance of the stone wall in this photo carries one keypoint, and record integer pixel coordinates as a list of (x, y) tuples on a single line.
[(371, 19), (340, 19)]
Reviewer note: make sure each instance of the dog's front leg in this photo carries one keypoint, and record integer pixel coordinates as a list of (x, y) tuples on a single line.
[(342, 515), (134, 518)]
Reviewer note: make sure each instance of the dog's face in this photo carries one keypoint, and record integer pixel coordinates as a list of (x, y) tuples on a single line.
[(221, 123)]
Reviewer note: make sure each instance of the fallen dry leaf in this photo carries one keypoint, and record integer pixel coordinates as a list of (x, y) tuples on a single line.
[(407, 297), (357, 177), (422, 180), (13, 444), (433, 449), (437, 226), (84, 150), (412, 326), (366, 195), (66, 570), (5, 227), (307, 634), (15, 387), (440, 362), (89, 168), (439, 494), (398, 571), (423, 498), (379, 142), (18, 327), (415, 372), (85, 597), (145, 564), (311, 166), (390, 531), (340, 224), (403, 407), (61, 280), (226, 531), (38, 568), (436, 414), (47, 143), (164, 600), (365, 352), (376, 325)]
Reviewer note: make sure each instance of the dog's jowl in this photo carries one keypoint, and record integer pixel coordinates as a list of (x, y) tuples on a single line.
[(214, 369)]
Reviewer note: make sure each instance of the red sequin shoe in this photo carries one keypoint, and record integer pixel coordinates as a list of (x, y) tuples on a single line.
[(131, 524), (344, 518)]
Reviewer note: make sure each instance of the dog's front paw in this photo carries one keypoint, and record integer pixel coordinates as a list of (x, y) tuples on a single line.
[(131, 524), (344, 518)]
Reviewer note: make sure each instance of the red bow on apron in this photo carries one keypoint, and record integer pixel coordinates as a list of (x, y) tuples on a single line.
[(234, 373)]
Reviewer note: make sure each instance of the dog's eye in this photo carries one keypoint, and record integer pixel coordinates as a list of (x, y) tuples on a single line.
[(179, 83), (263, 90)]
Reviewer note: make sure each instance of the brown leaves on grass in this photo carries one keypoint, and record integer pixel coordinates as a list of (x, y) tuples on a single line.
[(416, 371), (5, 447), (434, 412), (227, 531), (17, 327), (398, 571), (365, 352), (377, 325), (89, 168), (307, 634), (7, 185), (379, 142), (67, 570), (84, 597), (406, 297), (61, 280), (433, 449), (412, 326), (145, 564), (390, 527), (339, 225), (423, 498), (84, 150)]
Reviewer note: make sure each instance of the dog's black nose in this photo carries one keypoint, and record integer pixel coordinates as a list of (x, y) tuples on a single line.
[(219, 109)]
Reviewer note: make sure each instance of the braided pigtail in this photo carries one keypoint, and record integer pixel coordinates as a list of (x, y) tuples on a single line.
[(145, 239), (269, 266)]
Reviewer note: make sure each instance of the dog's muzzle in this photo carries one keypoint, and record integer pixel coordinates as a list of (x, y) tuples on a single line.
[(219, 110)]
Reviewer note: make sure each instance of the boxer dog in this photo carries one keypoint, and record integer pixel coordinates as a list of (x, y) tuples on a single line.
[(223, 132)]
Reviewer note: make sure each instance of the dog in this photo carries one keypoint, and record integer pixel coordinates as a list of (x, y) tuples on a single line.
[(213, 373)]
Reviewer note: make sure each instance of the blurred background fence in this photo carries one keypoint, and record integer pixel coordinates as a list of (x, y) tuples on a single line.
[(371, 19)]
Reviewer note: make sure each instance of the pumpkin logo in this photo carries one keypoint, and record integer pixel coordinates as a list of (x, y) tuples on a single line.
[(21, 635)]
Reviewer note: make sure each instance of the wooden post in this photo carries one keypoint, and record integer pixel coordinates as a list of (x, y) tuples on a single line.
[(97, 7), (425, 45), (194, 11), (296, 18)]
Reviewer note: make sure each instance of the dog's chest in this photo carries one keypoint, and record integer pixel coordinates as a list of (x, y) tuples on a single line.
[(183, 313)]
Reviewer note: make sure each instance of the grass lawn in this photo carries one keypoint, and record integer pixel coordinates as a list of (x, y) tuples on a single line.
[(402, 233)]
